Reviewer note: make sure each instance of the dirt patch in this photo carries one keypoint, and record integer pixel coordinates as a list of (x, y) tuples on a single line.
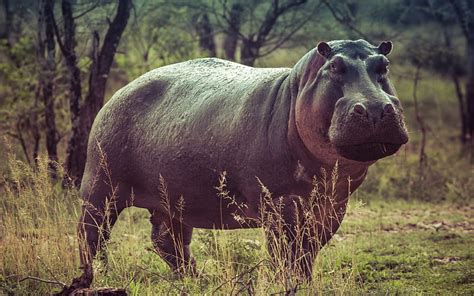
[(453, 220), (459, 227)]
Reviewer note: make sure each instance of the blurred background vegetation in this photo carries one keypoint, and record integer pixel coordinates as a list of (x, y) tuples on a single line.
[(61, 60)]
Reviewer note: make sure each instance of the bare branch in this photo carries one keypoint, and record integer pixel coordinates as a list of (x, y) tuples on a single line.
[(344, 20), (419, 120), (462, 17), (54, 282), (163, 278), (237, 277), (96, 4), (272, 16)]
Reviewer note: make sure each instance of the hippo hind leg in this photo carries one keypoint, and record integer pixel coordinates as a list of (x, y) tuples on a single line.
[(171, 240)]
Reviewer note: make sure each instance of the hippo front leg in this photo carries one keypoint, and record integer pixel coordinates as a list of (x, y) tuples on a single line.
[(171, 240), (290, 242), (297, 229)]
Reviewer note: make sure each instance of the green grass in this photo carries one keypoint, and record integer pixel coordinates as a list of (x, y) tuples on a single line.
[(390, 246)]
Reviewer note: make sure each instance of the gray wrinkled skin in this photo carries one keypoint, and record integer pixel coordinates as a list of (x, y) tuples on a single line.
[(191, 121)]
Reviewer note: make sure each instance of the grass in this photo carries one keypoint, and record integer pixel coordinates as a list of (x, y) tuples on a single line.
[(391, 246)]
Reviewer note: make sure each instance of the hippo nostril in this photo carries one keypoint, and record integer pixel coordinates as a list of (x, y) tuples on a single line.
[(360, 109), (388, 109)]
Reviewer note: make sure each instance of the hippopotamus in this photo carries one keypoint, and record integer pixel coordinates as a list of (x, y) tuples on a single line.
[(167, 140)]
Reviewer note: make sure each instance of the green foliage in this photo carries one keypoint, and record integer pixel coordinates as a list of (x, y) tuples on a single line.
[(16, 67), (157, 38), (19, 105)]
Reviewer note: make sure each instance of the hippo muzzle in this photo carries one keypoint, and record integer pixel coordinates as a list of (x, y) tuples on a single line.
[(366, 130)]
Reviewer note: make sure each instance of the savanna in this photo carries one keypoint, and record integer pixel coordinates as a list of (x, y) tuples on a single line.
[(407, 229)]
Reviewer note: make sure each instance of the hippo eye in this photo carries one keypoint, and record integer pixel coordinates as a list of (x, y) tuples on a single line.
[(337, 66), (382, 69), (381, 72)]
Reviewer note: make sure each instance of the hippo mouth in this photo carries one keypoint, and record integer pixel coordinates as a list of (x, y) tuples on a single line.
[(367, 151)]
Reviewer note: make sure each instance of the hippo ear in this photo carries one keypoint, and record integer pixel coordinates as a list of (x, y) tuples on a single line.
[(324, 49), (385, 47)]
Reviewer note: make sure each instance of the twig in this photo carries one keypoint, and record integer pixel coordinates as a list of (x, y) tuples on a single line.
[(250, 270), (183, 291), (134, 277), (419, 120), (96, 4), (289, 291), (49, 270), (344, 21), (43, 281)]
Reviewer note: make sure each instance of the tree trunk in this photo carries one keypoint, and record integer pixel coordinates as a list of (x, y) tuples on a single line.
[(470, 95), (34, 119), (206, 34), (249, 52), (74, 77), (100, 68), (7, 33), (232, 36), (48, 69), (454, 75), (464, 12), (421, 123), (462, 107)]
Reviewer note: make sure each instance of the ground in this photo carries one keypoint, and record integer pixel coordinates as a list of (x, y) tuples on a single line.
[(384, 247)]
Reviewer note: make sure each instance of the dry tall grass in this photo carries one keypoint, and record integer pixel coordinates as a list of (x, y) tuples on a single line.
[(37, 228), (38, 239)]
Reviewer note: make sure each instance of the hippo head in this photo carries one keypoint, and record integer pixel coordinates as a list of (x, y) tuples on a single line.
[(346, 107)]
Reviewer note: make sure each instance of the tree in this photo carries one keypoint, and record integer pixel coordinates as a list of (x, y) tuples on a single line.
[(160, 34), (21, 108), (47, 59), (205, 33), (464, 10), (232, 35), (74, 78), (82, 116), (6, 34), (344, 13), (258, 27), (270, 35), (446, 60)]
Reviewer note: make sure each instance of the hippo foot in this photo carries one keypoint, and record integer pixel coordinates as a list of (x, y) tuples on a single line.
[(84, 281), (186, 270)]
